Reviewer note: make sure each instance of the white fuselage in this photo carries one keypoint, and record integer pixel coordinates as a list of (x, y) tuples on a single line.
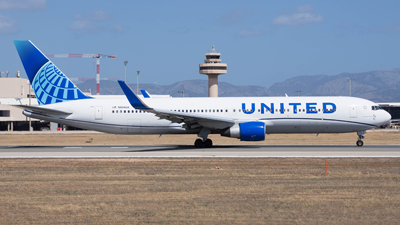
[(280, 114)]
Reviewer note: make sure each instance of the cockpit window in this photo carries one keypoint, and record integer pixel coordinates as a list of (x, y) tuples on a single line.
[(376, 107)]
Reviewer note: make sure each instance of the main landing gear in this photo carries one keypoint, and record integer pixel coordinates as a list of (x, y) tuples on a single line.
[(204, 142), (360, 134), (201, 144)]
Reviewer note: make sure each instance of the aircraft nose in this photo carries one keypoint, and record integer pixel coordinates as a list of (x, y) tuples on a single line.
[(387, 116)]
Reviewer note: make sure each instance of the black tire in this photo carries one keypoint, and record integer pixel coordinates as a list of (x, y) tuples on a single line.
[(199, 143), (360, 143), (208, 143)]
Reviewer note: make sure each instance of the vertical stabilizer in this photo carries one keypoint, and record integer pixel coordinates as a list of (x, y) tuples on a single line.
[(48, 82)]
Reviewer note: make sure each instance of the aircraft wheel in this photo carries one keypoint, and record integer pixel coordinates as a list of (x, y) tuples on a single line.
[(360, 143), (198, 143), (208, 143)]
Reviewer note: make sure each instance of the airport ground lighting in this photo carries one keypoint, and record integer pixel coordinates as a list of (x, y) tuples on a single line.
[(212, 67)]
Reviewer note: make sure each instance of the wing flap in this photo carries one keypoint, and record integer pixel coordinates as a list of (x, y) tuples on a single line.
[(43, 110), (210, 122)]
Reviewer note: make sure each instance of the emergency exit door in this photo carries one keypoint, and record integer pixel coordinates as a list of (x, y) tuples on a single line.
[(98, 113), (353, 111)]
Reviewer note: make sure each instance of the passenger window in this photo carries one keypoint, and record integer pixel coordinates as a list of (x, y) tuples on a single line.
[(234, 110), (113, 111)]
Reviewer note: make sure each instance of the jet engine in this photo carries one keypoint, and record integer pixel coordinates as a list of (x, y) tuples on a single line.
[(248, 131)]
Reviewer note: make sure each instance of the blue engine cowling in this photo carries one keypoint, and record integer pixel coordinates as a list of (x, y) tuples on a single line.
[(249, 131)]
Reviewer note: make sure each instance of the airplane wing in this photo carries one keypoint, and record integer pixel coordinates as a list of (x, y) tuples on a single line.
[(43, 110), (191, 120)]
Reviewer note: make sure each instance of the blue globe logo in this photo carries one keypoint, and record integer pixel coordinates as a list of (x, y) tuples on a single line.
[(51, 86)]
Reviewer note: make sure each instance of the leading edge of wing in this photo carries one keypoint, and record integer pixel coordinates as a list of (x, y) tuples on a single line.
[(206, 121), (176, 117), (43, 110)]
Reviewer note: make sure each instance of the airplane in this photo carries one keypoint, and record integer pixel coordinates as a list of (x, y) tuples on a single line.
[(244, 118)]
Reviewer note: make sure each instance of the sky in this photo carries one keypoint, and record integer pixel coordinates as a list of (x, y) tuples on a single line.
[(263, 42)]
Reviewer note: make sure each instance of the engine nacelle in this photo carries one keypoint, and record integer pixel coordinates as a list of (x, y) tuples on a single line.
[(249, 131)]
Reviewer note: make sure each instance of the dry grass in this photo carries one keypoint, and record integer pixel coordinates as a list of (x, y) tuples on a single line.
[(200, 191), (65, 138)]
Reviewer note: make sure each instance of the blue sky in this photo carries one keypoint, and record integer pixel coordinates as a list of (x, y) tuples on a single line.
[(262, 42)]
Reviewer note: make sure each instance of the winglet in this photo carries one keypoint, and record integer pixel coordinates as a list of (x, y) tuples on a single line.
[(145, 94), (132, 97)]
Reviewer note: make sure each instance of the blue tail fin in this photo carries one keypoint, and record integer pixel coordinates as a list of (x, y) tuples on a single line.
[(48, 82)]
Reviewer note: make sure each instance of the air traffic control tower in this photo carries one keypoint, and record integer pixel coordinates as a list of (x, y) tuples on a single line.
[(212, 67)]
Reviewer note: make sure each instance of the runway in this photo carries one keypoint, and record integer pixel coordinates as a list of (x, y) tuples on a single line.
[(181, 151)]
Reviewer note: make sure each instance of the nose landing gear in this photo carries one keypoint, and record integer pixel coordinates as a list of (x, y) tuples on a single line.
[(360, 134)]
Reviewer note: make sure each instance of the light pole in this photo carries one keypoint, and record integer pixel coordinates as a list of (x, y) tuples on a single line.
[(298, 92), (125, 62), (350, 80), (137, 82), (182, 92)]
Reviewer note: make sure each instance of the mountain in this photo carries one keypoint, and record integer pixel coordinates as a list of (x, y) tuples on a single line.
[(377, 86), (193, 88)]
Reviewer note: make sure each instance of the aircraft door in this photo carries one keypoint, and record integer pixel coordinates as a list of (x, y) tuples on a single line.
[(353, 111), (98, 113)]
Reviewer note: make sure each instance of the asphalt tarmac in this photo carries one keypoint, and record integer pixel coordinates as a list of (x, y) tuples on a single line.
[(322, 151)]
